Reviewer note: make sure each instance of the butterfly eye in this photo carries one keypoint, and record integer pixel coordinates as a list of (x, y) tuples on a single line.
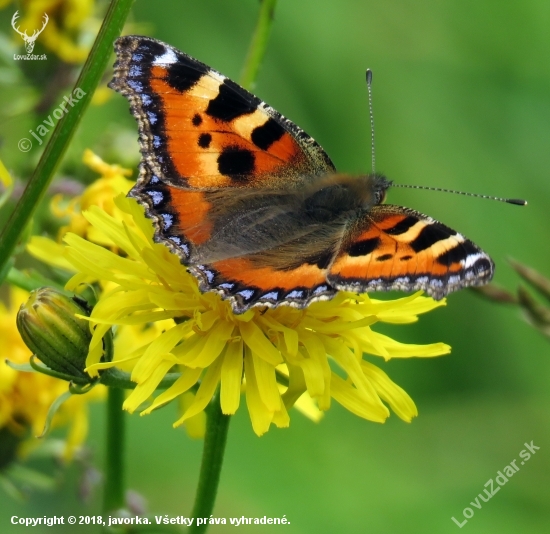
[(380, 197)]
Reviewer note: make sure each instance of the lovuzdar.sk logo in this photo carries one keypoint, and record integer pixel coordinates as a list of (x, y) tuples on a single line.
[(29, 40)]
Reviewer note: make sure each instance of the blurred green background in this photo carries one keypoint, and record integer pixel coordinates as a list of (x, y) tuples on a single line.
[(461, 100)]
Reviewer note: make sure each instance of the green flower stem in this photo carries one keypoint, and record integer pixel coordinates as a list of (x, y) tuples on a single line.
[(114, 377), (258, 44), (217, 425), (30, 280), (55, 149), (113, 493)]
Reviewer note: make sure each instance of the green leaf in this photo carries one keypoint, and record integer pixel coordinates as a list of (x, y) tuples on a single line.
[(56, 404)]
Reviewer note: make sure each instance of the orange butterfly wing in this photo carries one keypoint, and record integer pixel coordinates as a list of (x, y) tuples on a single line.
[(399, 248)]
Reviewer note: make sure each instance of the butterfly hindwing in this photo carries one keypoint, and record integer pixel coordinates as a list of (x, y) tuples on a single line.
[(399, 248), (246, 284)]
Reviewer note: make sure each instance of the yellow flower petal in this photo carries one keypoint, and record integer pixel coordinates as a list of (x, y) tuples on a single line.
[(49, 252), (196, 425), (307, 407), (356, 402), (396, 397), (206, 390), (231, 377), (257, 341), (157, 351), (281, 419), (259, 416), (147, 386), (267, 385), (185, 382)]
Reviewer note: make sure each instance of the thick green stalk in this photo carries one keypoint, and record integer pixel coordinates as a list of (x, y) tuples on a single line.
[(113, 492), (114, 488), (258, 45), (217, 425), (55, 149)]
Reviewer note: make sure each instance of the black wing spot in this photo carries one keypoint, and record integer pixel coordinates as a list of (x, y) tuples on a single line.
[(153, 49), (405, 258), (231, 102), (402, 226), (265, 135), (483, 267), (384, 257), (429, 235), (184, 74), (205, 140), (196, 120), (362, 248), (236, 163), (457, 254), (321, 260)]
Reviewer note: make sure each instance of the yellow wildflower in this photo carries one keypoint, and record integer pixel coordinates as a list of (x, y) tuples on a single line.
[(280, 355)]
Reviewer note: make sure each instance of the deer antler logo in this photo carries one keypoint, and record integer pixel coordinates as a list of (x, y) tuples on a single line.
[(29, 40)]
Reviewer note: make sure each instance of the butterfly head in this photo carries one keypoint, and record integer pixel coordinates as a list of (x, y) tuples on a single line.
[(368, 190), (338, 194), (379, 184)]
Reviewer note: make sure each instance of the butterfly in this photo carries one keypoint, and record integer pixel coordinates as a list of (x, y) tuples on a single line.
[(255, 208)]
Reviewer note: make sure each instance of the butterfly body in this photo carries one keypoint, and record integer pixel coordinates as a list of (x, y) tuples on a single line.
[(254, 207)]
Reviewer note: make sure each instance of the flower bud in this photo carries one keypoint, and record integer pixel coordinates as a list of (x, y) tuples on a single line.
[(49, 327)]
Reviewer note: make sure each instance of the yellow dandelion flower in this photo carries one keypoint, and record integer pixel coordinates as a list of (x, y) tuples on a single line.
[(25, 398), (277, 355)]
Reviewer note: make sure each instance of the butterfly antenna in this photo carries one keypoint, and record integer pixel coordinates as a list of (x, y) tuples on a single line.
[(369, 89), (516, 201)]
